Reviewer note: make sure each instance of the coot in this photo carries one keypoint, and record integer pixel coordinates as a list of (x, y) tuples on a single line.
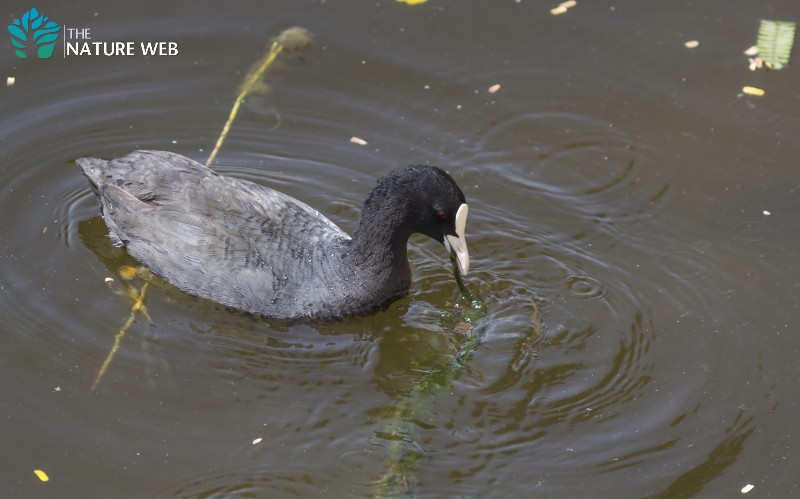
[(256, 249)]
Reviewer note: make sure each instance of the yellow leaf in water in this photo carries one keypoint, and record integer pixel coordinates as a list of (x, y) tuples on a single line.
[(753, 91), (412, 2), (42, 475), (127, 272)]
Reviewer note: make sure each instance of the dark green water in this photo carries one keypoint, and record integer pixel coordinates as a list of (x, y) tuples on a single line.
[(642, 306)]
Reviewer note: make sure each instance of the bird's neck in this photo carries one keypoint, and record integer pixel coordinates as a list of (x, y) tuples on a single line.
[(380, 240)]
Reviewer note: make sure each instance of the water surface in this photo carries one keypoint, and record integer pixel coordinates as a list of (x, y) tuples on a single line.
[(632, 227)]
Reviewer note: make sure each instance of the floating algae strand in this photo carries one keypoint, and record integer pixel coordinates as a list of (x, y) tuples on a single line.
[(138, 306), (290, 40)]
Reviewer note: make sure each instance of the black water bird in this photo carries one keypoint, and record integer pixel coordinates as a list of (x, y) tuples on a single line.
[(253, 248)]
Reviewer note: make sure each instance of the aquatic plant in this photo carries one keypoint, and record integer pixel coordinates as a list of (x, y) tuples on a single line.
[(775, 40), (402, 423), (291, 39)]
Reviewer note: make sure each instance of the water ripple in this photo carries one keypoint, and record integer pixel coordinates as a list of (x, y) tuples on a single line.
[(753, 231), (586, 287), (684, 264), (579, 271)]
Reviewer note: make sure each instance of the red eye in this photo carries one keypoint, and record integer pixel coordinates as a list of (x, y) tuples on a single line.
[(441, 214)]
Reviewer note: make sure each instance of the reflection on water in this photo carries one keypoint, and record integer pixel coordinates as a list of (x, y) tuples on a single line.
[(640, 302)]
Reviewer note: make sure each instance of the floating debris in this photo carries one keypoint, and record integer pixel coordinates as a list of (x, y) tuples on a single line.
[(775, 40), (10, 81), (752, 55), (563, 7), (692, 44), (747, 488), (758, 92), (359, 141), (756, 63), (766, 213), (41, 475), (257, 441), (494, 88), (412, 2)]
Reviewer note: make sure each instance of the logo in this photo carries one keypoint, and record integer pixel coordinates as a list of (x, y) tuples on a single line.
[(34, 29)]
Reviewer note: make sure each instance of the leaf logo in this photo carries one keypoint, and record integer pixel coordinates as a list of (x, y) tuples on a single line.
[(34, 27)]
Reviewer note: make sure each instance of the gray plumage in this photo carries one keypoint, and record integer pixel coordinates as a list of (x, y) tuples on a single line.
[(253, 248)]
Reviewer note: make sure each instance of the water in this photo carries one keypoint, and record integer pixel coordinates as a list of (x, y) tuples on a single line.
[(632, 227)]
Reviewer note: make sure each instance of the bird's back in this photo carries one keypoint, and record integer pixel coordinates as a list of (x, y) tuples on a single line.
[(225, 239)]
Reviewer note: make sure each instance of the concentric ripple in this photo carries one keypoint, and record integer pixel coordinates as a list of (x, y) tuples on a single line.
[(586, 287), (753, 231)]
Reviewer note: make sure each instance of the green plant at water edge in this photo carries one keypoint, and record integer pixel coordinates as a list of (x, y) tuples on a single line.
[(775, 40), (34, 27)]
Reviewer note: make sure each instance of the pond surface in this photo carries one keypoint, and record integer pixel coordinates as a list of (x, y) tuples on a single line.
[(633, 226)]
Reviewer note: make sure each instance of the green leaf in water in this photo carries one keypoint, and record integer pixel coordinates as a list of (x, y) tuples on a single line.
[(775, 40)]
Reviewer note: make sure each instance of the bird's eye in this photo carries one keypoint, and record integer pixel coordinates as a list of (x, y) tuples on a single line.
[(441, 214)]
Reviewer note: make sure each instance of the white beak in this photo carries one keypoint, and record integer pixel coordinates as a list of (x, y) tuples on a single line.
[(459, 242)]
